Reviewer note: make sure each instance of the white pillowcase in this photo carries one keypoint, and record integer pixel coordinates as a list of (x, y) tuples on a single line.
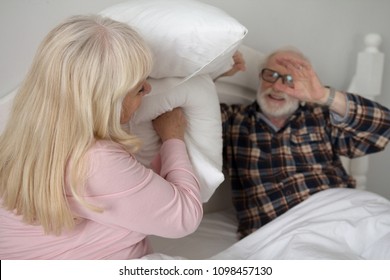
[(198, 98), (187, 37)]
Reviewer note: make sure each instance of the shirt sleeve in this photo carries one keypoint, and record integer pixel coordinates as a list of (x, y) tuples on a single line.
[(336, 118), (365, 129), (137, 199)]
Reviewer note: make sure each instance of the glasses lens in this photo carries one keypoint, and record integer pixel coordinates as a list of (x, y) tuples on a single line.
[(272, 76), (288, 79), (269, 75)]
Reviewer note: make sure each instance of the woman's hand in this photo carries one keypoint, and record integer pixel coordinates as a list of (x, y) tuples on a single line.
[(171, 125)]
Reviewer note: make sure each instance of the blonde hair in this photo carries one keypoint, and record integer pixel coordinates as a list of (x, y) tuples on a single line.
[(71, 97)]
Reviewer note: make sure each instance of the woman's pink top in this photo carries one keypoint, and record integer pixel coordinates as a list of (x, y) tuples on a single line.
[(137, 202)]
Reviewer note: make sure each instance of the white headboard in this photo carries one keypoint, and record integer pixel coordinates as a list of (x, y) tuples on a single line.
[(367, 81)]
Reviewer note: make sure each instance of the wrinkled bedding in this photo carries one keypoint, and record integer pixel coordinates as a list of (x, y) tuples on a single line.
[(333, 224)]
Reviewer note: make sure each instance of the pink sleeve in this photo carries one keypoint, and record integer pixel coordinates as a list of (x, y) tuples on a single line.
[(136, 198)]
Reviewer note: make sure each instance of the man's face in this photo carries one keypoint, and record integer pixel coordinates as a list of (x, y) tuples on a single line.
[(273, 103)]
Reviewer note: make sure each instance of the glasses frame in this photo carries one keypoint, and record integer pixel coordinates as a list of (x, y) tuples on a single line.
[(286, 79)]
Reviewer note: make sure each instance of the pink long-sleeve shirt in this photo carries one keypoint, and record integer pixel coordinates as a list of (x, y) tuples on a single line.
[(137, 202)]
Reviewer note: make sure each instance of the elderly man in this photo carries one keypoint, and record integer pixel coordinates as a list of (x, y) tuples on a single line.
[(287, 144)]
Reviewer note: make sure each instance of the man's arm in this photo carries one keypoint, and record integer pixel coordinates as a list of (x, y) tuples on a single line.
[(238, 65)]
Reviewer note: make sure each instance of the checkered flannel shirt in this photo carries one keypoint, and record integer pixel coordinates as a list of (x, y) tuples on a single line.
[(272, 170)]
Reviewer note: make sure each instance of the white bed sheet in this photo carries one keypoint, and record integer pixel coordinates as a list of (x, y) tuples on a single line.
[(333, 224), (216, 232)]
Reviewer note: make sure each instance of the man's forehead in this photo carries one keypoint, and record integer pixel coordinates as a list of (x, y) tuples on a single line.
[(285, 53)]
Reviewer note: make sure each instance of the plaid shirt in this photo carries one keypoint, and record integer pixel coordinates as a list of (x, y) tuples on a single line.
[(274, 170)]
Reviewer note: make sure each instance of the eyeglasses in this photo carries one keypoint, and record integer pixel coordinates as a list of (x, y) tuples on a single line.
[(272, 76)]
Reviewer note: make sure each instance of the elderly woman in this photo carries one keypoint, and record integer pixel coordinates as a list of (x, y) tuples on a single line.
[(70, 186)]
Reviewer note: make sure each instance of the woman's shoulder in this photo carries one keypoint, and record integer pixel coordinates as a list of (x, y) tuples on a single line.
[(105, 154), (107, 148), (110, 164), (103, 145)]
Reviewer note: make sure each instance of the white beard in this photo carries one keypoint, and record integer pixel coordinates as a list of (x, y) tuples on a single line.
[(272, 110)]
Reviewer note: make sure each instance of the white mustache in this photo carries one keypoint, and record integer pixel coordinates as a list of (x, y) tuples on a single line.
[(270, 109), (276, 94)]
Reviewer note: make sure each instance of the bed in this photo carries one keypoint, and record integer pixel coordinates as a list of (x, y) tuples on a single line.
[(333, 224)]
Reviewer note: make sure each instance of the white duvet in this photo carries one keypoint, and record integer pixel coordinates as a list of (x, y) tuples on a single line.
[(334, 224)]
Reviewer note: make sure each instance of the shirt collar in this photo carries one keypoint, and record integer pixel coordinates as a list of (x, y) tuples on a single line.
[(261, 116)]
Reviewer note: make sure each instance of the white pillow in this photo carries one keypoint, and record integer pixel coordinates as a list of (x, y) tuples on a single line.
[(187, 37), (197, 96)]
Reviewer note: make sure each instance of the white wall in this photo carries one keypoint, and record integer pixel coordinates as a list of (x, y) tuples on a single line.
[(24, 23), (329, 32)]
